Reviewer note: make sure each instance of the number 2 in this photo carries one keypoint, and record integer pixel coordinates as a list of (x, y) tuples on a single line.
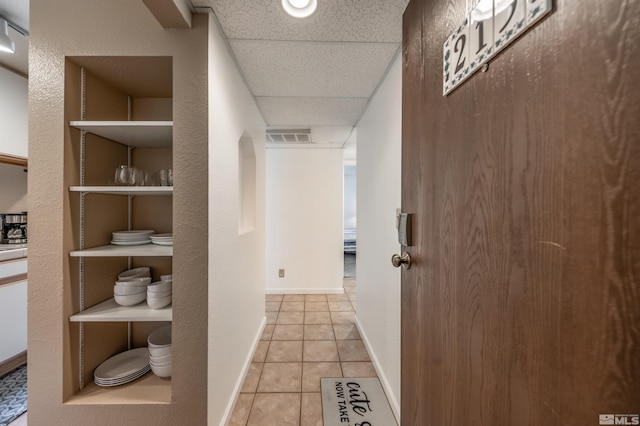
[(460, 65)]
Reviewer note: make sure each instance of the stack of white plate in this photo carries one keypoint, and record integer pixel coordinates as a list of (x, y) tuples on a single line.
[(131, 287), (131, 238), (122, 368), (160, 357), (162, 239), (160, 293)]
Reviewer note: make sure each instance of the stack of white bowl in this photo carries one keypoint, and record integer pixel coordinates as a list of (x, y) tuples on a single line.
[(131, 287), (159, 293), (160, 357)]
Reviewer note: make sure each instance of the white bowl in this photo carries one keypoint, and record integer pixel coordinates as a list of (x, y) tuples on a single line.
[(166, 277), (159, 303), (131, 299), (160, 364), (143, 271), (159, 294), (135, 281), (161, 371), (160, 359), (159, 286), (159, 352), (124, 290), (160, 337)]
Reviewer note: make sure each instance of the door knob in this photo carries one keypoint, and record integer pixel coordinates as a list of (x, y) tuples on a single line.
[(404, 260)]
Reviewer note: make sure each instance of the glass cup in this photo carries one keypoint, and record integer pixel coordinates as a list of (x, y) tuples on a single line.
[(123, 175), (138, 177), (165, 177)]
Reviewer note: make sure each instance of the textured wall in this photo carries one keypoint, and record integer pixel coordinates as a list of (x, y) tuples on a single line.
[(119, 27)]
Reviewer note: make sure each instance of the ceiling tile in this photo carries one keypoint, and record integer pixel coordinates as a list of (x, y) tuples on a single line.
[(285, 111), (285, 68), (334, 20), (331, 134)]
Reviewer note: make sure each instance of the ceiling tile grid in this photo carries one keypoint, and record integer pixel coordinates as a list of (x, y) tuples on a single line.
[(316, 71), (287, 68), (286, 111)]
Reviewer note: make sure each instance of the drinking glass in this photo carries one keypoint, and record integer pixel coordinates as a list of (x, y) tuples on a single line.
[(122, 175)]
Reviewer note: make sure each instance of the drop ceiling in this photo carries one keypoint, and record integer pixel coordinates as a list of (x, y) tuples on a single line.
[(316, 73)]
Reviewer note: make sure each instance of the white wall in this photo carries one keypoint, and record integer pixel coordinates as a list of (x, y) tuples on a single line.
[(379, 134), (349, 196), (304, 220), (14, 114), (236, 262)]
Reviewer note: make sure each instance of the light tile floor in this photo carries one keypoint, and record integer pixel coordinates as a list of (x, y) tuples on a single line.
[(307, 337)]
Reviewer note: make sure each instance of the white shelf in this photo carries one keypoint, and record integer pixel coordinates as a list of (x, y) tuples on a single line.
[(124, 190), (132, 133), (110, 311), (149, 389), (150, 250)]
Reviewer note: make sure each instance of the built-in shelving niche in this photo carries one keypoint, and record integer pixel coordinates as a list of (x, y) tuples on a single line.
[(124, 107)]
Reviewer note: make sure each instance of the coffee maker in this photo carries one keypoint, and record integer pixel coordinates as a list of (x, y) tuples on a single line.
[(14, 228)]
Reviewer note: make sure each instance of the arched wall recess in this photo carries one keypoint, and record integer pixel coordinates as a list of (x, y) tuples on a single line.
[(247, 184)]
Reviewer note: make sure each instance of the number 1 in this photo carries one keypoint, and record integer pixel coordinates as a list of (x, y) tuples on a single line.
[(481, 43)]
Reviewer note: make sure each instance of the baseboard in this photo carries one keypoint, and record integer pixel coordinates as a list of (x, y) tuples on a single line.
[(393, 401), (226, 418), (304, 290), (12, 363)]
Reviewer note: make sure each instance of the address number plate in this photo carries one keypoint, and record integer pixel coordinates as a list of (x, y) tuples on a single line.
[(490, 27)]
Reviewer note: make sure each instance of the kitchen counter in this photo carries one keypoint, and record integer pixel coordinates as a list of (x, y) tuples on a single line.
[(12, 251)]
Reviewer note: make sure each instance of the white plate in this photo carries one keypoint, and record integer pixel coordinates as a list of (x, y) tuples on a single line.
[(105, 383), (163, 243), (135, 375), (167, 235), (143, 271), (123, 365), (131, 235), (130, 243), (133, 232)]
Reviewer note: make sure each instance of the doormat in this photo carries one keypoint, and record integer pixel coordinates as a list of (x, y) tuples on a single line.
[(355, 402), (13, 395)]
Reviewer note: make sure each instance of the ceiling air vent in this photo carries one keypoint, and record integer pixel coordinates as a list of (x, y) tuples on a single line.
[(289, 136)]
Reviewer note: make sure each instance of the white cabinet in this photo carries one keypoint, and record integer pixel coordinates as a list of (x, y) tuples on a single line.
[(13, 308), (13, 114)]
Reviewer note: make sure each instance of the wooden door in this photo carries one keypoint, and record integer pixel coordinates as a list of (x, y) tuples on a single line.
[(522, 306)]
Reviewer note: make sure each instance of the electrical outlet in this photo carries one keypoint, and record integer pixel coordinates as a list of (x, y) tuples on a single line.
[(281, 273)]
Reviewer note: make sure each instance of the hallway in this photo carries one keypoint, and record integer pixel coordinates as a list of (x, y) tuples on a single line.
[(307, 337)]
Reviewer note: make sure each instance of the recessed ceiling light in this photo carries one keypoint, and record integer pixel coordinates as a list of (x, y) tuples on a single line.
[(300, 8)]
